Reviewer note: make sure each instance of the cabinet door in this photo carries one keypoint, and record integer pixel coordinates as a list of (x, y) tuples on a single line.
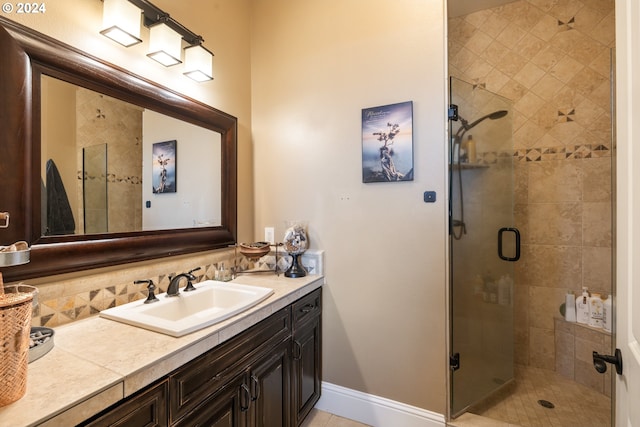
[(307, 369), (227, 408), (148, 409), (206, 375), (269, 383)]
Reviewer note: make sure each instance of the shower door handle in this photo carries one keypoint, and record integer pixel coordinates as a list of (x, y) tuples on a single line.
[(516, 232)]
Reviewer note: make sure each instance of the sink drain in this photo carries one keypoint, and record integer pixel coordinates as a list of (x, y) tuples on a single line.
[(546, 404)]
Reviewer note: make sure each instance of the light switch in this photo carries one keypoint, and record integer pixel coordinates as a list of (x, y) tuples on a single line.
[(429, 196)]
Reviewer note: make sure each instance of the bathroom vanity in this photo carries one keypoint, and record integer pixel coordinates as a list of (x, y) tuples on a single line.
[(261, 367), (268, 375)]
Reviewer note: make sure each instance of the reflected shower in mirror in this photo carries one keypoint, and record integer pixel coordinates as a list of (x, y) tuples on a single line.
[(101, 148), (94, 189)]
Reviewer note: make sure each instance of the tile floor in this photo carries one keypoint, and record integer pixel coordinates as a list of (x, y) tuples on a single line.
[(575, 406), (319, 418)]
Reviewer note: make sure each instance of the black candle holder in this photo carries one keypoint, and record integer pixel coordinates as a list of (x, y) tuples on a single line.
[(296, 269)]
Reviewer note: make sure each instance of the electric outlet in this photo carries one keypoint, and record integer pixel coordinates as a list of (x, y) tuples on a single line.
[(269, 234)]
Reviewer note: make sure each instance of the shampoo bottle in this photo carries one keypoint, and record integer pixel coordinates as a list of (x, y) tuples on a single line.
[(570, 307), (596, 308), (582, 307), (472, 155), (607, 318)]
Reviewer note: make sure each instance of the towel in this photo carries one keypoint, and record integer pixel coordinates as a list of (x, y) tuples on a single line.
[(59, 214)]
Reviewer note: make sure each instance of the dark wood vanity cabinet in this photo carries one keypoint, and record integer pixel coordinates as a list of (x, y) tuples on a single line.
[(146, 408), (270, 389), (267, 376), (307, 362), (257, 396)]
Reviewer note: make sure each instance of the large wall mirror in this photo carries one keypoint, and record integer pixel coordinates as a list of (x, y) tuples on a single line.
[(102, 167)]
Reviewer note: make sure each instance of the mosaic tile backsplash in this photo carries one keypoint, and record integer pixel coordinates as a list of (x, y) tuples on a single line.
[(64, 300)]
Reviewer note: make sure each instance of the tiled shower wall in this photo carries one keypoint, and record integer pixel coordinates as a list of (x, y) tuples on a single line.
[(104, 120), (552, 59)]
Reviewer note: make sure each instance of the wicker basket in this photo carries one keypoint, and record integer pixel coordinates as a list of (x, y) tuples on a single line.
[(16, 304)]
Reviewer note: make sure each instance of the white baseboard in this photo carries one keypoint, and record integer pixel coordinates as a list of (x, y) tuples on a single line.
[(373, 410)]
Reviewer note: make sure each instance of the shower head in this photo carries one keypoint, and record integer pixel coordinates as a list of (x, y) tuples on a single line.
[(492, 116)]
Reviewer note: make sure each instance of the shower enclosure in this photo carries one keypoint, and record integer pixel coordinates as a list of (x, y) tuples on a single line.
[(484, 244), (94, 189)]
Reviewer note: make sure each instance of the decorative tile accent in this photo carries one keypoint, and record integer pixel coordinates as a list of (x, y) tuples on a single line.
[(567, 25), (563, 152), (566, 117)]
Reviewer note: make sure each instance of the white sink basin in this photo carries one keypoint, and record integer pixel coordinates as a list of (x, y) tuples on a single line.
[(210, 303)]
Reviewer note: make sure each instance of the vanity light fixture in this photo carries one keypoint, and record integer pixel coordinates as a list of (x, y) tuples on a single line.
[(165, 45), (198, 63), (121, 22), (165, 36)]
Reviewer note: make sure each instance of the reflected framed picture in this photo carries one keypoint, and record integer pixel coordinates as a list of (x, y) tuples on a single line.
[(387, 143), (164, 167)]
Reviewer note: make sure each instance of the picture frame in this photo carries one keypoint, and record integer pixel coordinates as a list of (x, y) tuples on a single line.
[(164, 176), (387, 143)]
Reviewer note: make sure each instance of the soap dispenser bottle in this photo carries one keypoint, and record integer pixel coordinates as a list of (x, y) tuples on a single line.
[(472, 155), (582, 307), (570, 307), (595, 310), (607, 314)]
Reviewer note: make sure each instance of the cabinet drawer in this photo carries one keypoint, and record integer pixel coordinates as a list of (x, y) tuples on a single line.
[(148, 408), (307, 307), (200, 378)]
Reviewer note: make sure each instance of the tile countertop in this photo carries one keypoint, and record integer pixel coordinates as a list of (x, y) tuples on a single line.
[(96, 362)]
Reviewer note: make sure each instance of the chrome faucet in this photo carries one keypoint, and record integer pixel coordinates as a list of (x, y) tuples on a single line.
[(174, 283)]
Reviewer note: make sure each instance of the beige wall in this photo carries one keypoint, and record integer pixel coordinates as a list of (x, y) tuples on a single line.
[(315, 66)]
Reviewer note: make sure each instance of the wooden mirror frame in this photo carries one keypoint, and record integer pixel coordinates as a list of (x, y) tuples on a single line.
[(25, 55)]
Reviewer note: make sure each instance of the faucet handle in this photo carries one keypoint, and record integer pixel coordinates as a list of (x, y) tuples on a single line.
[(151, 297), (189, 275)]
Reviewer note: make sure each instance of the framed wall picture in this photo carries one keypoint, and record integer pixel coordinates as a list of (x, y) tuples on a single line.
[(387, 143), (164, 167)]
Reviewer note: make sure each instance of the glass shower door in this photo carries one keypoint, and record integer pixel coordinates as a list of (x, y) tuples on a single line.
[(94, 189), (483, 244)]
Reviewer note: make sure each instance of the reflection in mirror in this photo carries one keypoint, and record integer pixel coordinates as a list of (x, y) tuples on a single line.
[(94, 189), (98, 166)]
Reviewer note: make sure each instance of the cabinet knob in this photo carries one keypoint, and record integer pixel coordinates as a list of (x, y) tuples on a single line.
[(247, 398), (297, 350), (308, 308), (4, 217), (256, 388)]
